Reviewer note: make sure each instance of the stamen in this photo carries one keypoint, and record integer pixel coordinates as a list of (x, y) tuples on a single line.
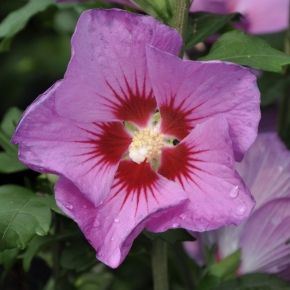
[(146, 145)]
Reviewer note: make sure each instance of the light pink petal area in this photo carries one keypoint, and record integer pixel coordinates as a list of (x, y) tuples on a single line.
[(227, 240), (260, 17), (138, 193), (194, 250), (266, 168), (205, 170), (107, 77), (190, 92), (86, 153), (264, 238), (213, 6), (268, 16)]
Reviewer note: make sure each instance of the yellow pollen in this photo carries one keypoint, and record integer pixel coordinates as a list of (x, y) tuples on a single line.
[(146, 145)]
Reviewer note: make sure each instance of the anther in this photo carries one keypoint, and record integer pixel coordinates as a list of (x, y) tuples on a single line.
[(146, 145)]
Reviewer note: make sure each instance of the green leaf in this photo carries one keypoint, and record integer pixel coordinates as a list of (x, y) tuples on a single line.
[(10, 121), (9, 162), (171, 236), (22, 216), (8, 257), (45, 184), (98, 279), (208, 282), (6, 145), (49, 201), (219, 271), (255, 282), (78, 255), (161, 9), (238, 47), (18, 19), (228, 266), (38, 243), (203, 25)]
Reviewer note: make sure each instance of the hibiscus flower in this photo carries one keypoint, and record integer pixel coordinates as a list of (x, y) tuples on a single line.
[(140, 138), (259, 17), (263, 237)]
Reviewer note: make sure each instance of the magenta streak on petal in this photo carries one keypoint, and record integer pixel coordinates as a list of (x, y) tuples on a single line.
[(134, 105), (137, 181), (176, 120), (107, 146), (185, 167)]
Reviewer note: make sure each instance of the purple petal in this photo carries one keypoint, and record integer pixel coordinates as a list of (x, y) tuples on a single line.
[(264, 238), (255, 12), (194, 250), (266, 168), (112, 227), (227, 239), (190, 92), (205, 170), (86, 153), (213, 6), (107, 73)]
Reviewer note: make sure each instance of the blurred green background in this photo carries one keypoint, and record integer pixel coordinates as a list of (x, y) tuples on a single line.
[(37, 57)]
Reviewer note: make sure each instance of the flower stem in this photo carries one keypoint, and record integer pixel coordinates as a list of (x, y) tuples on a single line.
[(159, 247), (180, 17), (159, 265), (56, 253)]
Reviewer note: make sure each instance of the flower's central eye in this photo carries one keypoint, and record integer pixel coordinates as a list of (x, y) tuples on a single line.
[(146, 145)]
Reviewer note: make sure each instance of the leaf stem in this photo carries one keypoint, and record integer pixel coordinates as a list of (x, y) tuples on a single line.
[(159, 265), (180, 17), (185, 266)]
